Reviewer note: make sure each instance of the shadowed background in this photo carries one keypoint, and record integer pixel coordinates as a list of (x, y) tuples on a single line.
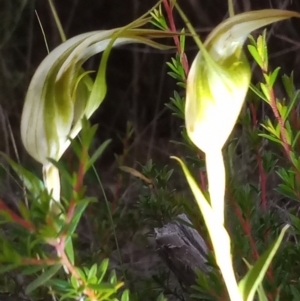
[(138, 84)]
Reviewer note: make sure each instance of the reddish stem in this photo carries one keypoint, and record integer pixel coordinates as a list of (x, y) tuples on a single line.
[(172, 28), (247, 229), (61, 244), (263, 182), (254, 115), (286, 145), (78, 185), (60, 248), (35, 261), (203, 180), (262, 174), (16, 218), (280, 121), (246, 225)]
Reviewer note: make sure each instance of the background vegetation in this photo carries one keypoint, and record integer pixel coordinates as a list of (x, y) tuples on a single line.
[(141, 126)]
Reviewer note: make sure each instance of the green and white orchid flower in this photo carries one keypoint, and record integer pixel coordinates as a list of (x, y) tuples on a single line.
[(217, 85), (219, 78), (61, 93)]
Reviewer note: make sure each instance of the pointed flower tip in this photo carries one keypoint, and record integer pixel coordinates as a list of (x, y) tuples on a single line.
[(233, 32)]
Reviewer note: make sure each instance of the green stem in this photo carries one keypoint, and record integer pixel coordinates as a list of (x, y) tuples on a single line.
[(218, 234), (230, 280), (52, 183), (230, 8), (57, 21), (216, 182), (111, 220), (43, 32)]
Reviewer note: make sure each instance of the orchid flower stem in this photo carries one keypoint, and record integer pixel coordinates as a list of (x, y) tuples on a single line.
[(230, 280), (217, 232), (216, 182), (52, 183), (230, 8)]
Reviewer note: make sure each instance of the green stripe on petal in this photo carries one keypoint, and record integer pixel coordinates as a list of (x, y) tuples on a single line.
[(61, 93), (219, 78), (214, 99)]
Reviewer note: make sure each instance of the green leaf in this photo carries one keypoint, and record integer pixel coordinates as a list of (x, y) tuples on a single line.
[(261, 294), (81, 273), (295, 158), (24, 211), (288, 82), (253, 50), (33, 269), (217, 232), (103, 287), (266, 92), (71, 295), (97, 153), (113, 278), (258, 92), (77, 215), (292, 103), (161, 297), (174, 75), (70, 250), (125, 295), (273, 77), (31, 182), (103, 269), (262, 50), (87, 133), (62, 285), (8, 267), (74, 282), (173, 67), (158, 19), (76, 147), (182, 39), (254, 277), (272, 138), (295, 292), (42, 279), (295, 222), (92, 272), (9, 253), (270, 127), (288, 192)]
